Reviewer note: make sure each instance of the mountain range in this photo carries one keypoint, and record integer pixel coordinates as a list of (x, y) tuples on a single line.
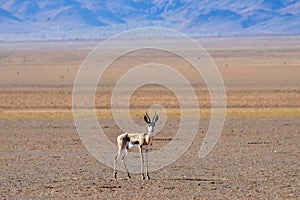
[(94, 19)]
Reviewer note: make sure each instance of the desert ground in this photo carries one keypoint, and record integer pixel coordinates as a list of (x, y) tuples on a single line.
[(257, 155)]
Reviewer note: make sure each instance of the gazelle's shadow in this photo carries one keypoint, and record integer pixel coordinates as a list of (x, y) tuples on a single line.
[(200, 179)]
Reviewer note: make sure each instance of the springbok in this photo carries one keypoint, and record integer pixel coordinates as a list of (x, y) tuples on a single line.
[(129, 141)]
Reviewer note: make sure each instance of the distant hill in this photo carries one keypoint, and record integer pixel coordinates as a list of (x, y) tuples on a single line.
[(90, 19)]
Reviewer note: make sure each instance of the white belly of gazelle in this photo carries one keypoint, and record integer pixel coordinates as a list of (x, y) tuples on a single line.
[(132, 146)]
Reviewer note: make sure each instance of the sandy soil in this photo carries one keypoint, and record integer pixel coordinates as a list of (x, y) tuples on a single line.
[(256, 157)]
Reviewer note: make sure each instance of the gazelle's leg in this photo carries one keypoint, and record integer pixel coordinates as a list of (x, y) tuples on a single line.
[(142, 163), (147, 173), (115, 162), (123, 161)]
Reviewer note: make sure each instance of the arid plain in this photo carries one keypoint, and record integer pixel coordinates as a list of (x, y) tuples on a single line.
[(256, 157)]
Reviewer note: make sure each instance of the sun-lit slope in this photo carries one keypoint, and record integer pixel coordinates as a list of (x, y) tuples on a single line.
[(84, 19)]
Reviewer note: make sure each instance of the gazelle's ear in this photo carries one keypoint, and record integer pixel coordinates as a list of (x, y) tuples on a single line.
[(149, 119), (146, 119)]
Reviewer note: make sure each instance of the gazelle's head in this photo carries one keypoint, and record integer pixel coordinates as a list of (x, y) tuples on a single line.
[(150, 123)]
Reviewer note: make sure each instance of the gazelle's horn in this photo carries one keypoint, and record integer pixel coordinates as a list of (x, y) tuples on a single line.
[(155, 117)]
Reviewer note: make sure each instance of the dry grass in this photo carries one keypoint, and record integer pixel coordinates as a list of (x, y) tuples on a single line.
[(137, 113)]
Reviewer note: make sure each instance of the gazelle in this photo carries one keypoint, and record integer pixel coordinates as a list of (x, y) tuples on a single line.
[(128, 141)]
